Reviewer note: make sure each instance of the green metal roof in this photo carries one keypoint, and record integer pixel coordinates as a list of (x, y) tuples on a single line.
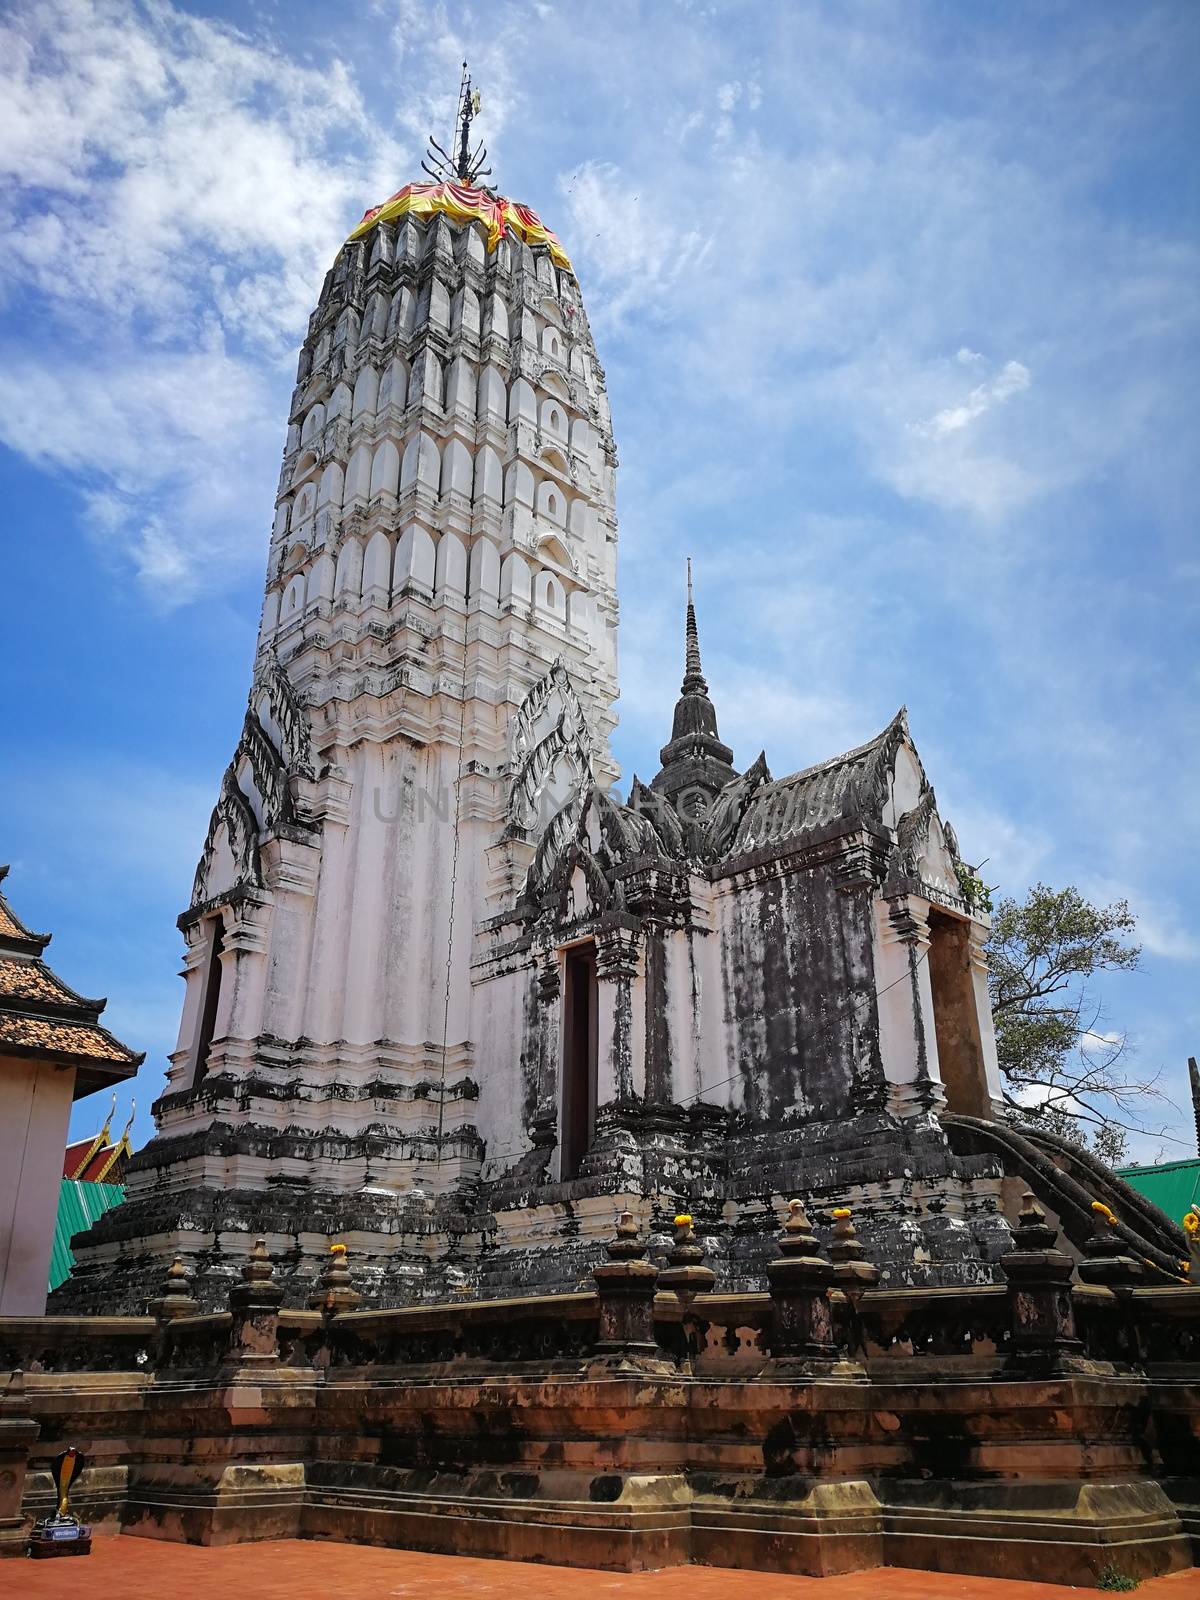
[(1172, 1187), (79, 1205)]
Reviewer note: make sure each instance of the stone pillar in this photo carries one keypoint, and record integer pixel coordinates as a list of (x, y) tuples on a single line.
[(625, 1287), (18, 1431), (907, 1037), (254, 1303), (616, 968), (1039, 1288), (336, 1292), (979, 935), (543, 1128), (800, 1281)]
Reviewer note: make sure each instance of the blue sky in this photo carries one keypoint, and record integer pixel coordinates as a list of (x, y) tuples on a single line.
[(897, 304)]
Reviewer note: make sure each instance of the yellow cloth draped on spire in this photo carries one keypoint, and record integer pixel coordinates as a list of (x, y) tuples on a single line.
[(463, 204)]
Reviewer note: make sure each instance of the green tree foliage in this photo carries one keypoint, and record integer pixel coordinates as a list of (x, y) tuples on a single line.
[(1060, 1069)]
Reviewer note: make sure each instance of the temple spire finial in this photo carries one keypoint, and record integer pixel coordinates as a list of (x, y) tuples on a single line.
[(693, 674), (467, 166)]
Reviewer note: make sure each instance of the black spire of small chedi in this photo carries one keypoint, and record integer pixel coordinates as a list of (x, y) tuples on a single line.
[(696, 766)]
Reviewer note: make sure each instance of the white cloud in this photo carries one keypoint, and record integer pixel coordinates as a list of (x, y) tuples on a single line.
[(172, 192), (1010, 380), (637, 255), (1161, 929)]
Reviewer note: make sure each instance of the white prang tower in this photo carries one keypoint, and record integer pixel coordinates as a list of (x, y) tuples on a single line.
[(444, 542)]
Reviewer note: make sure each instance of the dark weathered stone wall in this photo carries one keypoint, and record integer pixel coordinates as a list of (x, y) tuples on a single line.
[(797, 964)]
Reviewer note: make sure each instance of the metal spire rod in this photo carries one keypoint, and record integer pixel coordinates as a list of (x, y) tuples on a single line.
[(467, 167)]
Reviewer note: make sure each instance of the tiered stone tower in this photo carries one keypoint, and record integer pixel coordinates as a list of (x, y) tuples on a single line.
[(444, 534), (451, 1002)]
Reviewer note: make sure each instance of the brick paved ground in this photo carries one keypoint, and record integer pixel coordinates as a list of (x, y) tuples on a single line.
[(292, 1569)]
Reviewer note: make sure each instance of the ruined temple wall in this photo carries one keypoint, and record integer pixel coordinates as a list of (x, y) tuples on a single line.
[(797, 977)]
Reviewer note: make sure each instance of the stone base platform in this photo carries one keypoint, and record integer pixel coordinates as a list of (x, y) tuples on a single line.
[(137, 1569)]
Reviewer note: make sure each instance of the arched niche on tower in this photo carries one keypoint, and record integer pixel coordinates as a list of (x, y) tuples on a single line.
[(496, 320), (581, 520), (522, 402), (581, 435), (552, 548), (339, 402), (293, 599), (425, 380), (415, 561), (376, 319), (551, 503), (366, 394), (450, 570), (485, 570), (581, 614), (519, 487), (358, 475), (458, 470), (332, 485), (421, 464), (321, 579), (385, 469), (312, 425), (460, 387), (493, 401), (282, 514), (403, 310), (348, 582), (553, 344), (393, 386), (489, 477), (554, 419), (464, 312), (516, 581), (303, 507), (377, 570), (550, 595), (270, 613), (306, 466)]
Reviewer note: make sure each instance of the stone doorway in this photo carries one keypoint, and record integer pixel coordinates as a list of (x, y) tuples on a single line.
[(956, 1019), (580, 1038)]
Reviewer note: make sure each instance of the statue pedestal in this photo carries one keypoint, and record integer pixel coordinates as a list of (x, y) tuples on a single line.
[(60, 1536)]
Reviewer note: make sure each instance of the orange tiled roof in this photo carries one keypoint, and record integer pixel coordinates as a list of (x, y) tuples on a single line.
[(39, 1013), (33, 980), (68, 1038)]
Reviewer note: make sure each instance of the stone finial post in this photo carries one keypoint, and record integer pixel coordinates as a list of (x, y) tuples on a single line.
[(254, 1303), (1105, 1259), (175, 1296), (625, 1286), (800, 1280), (336, 1292), (686, 1276), (852, 1272), (1042, 1317), (18, 1431)]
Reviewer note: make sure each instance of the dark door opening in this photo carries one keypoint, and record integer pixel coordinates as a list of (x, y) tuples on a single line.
[(579, 1058), (212, 994), (956, 1022)]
